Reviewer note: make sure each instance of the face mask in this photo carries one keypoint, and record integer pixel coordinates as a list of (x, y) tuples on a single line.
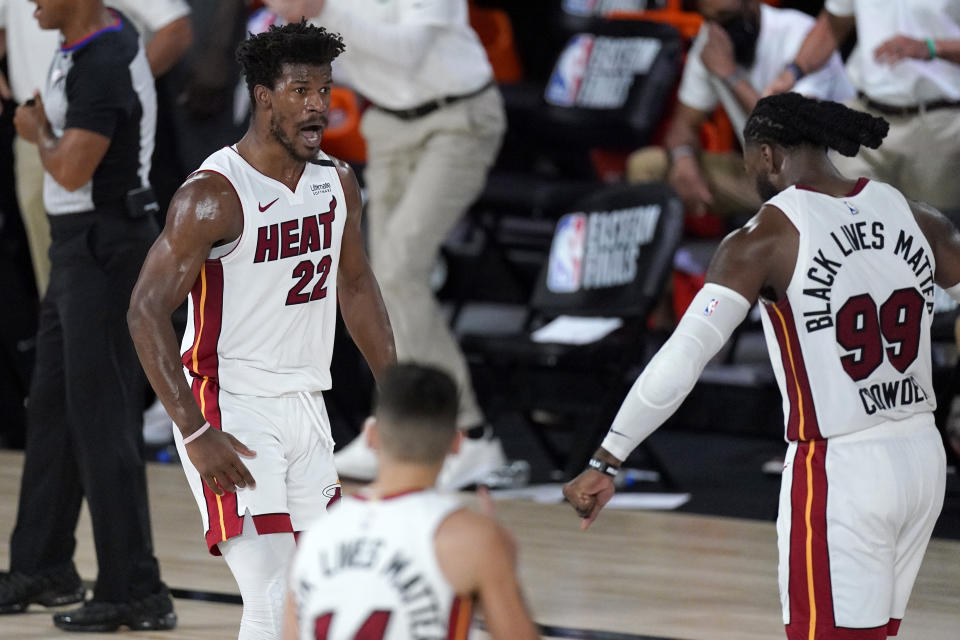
[(743, 31)]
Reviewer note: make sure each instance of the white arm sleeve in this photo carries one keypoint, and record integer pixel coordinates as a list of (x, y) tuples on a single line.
[(705, 327)]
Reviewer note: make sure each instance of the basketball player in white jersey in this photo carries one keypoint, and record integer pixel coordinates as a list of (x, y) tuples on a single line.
[(265, 238), (845, 270), (401, 560)]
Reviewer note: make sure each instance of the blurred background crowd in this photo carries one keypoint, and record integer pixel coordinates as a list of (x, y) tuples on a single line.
[(552, 285)]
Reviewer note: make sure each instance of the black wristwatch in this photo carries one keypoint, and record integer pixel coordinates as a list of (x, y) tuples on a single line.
[(795, 69), (603, 467)]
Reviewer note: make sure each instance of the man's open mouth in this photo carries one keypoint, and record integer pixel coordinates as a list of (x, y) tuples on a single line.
[(312, 134)]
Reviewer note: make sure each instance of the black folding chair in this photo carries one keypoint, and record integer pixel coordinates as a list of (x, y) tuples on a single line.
[(610, 84), (610, 257)]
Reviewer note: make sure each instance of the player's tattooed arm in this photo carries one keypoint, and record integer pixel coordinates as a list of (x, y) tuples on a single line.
[(361, 304), (204, 212)]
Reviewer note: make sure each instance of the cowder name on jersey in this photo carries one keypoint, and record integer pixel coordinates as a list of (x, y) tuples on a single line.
[(396, 568), (881, 396)]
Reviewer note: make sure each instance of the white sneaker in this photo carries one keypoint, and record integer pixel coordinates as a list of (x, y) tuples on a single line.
[(157, 426), (774, 466), (476, 460), (357, 460)]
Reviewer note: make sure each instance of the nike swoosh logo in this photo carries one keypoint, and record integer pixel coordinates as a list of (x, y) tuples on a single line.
[(264, 208)]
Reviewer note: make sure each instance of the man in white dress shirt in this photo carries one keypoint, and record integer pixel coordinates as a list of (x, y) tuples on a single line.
[(742, 46), (432, 135), (906, 68)]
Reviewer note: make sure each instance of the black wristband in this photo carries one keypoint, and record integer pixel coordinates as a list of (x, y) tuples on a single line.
[(795, 69), (603, 467)]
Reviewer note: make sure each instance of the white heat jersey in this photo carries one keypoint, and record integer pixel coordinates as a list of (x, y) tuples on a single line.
[(850, 341), (263, 311), (368, 569)]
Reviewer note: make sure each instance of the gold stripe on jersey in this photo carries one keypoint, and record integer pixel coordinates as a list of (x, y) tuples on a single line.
[(808, 510), (793, 368), (464, 614), (206, 379)]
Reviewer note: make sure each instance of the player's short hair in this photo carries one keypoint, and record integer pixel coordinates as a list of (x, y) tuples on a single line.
[(792, 120), (416, 410), (262, 56)]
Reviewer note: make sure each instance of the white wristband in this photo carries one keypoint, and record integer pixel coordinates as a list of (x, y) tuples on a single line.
[(196, 434)]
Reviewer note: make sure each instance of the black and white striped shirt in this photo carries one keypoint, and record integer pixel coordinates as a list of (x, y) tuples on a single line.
[(102, 83)]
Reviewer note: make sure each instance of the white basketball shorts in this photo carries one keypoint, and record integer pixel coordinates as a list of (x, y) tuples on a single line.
[(856, 514), (293, 469)]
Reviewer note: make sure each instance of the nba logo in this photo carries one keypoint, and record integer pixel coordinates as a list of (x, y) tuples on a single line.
[(565, 267), (711, 307), (261, 20), (564, 84)]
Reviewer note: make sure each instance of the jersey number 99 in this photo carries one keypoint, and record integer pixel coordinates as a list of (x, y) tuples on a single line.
[(862, 329)]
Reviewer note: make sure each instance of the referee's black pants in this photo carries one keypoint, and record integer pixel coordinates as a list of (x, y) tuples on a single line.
[(84, 420)]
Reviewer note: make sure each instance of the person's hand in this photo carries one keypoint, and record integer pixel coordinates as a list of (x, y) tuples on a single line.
[(687, 181), (781, 84), (293, 10), (588, 493), (30, 119), (898, 48), (717, 54), (214, 454)]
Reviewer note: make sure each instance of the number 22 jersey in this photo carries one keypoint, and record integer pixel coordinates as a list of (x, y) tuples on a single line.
[(262, 313), (850, 340)]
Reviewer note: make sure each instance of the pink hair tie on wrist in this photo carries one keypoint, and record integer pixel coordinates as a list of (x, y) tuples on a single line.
[(196, 434)]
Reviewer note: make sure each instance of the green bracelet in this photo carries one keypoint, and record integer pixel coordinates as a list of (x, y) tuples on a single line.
[(932, 47)]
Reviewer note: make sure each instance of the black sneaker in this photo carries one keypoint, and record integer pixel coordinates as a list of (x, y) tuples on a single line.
[(153, 613), (50, 587)]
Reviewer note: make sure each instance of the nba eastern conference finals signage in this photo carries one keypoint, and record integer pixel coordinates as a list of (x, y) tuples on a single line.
[(600, 249)]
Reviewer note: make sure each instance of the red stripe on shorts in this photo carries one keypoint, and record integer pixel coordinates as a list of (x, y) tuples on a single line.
[(810, 590), (811, 599)]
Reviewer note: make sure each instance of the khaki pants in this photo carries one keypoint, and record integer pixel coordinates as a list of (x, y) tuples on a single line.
[(29, 175), (733, 193), (920, 156), (421, 177)]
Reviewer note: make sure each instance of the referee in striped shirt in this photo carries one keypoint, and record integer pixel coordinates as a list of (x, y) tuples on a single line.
[(94, 127)]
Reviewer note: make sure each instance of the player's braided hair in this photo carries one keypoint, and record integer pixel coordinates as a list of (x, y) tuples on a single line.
[(792, 120), (262, 56)]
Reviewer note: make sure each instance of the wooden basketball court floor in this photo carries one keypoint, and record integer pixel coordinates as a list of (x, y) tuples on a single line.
[(634, 576)]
